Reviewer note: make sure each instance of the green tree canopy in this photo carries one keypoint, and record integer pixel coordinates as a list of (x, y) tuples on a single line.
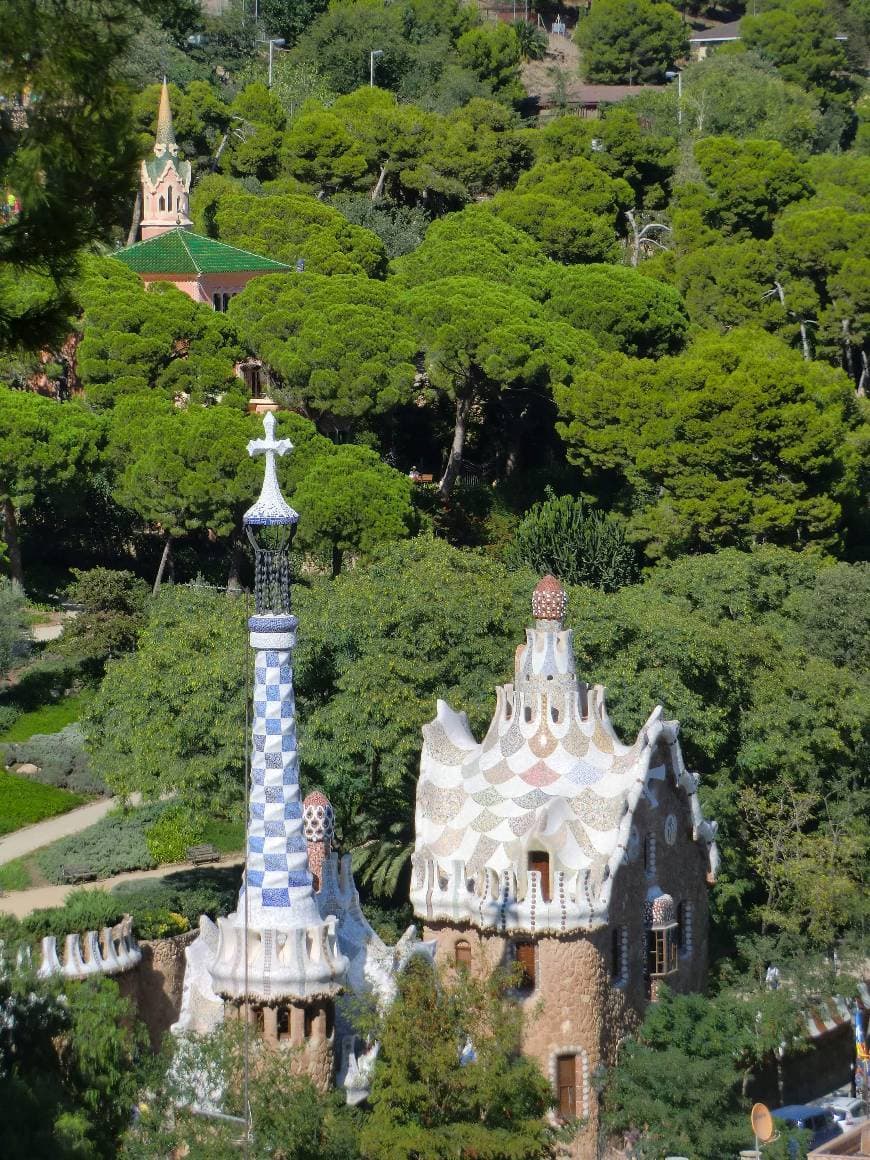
[(492, 52), (480, 340), (750, 182), (341, 346), (290, 228), (69, 158), (621, 308), (625, 41), (744, 96), (474, 243), (70, 1066), (426, 1102), (799, 37), (46, 449), (711, 1044), (352, 502), (136, 341), (737, 441)]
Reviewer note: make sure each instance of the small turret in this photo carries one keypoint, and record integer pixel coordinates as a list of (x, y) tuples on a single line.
[(165, 179)]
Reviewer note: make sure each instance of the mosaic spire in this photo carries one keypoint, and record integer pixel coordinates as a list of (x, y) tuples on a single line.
[(277, 875), (165, 141), (276, 945)]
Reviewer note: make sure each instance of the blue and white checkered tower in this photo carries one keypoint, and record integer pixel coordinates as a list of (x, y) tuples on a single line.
[(291, 950)]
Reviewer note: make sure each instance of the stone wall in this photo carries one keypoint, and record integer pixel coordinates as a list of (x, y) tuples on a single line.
[(155, 985)]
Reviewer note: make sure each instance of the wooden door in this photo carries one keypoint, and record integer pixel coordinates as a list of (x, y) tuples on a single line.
[(566, 1085)]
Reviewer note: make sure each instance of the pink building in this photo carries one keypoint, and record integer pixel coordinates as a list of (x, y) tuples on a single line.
[(206, 270)]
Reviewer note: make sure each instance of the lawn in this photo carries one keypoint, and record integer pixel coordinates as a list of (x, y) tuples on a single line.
[(23, 802), (15, 875), (48, 718)]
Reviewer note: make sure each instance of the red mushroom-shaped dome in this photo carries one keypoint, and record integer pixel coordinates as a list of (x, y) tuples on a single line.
[(549, 600), (318, 818)]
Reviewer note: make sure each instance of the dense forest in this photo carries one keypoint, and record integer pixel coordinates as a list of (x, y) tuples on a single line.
[(631, 349)]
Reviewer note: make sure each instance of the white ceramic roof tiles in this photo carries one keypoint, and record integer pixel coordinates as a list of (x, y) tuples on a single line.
[(549, 775)]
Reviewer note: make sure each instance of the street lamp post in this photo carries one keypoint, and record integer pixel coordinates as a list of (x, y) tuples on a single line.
[(278, 42), (678, 76), (372, 55)]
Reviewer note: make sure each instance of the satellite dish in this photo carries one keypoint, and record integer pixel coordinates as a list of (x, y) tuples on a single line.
[(762, 1123)]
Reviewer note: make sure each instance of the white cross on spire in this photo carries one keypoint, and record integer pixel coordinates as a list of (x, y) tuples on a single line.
[(271, 507)]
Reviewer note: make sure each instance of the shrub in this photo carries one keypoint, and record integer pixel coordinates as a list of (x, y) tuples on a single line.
[(61, 758), (112, 846), (189, 893), (159, 923), (578, 544), (9, 714), (23, 802), (46, 680), (171, 834), (83, 910)]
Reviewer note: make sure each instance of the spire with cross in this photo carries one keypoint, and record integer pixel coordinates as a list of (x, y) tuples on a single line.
[(271, 507), (269, 524)]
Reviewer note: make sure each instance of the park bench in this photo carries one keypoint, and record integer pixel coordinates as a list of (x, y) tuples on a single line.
[(199, 855), (77, 873)]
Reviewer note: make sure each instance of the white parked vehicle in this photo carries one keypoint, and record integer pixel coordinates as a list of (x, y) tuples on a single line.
[(846, 1111)]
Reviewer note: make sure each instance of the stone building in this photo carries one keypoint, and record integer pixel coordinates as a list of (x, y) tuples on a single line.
[(553, 846), (206, 270)]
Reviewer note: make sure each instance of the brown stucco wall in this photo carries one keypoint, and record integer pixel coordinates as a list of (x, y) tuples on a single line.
[(155, 985)]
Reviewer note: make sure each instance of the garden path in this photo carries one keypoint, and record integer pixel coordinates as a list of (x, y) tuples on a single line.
[(21, 902), (30, 838)]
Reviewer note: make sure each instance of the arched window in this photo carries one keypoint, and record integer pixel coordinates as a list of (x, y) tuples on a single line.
[(162, 205), (462, 953), (540, 860), (524, 955), (216, 300), (169, 199), (226, 302)]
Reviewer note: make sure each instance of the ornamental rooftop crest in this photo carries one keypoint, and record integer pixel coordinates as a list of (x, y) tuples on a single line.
[(269, 524)]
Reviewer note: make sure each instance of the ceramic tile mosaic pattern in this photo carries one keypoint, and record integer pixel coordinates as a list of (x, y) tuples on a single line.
[(277, 863)]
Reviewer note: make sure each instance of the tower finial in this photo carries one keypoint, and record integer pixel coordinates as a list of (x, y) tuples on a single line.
[(165, 140), (269, 525), (549, 600)]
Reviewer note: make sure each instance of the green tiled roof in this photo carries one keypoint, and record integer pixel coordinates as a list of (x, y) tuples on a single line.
[(179, 251)]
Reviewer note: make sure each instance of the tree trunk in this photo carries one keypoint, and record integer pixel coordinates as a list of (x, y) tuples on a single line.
[(10, 534), (337, 557), (165, 559), (137, 214), (847, 350), (805, 342), (861, 390), (454, 460), (234, 580), (378, 191)]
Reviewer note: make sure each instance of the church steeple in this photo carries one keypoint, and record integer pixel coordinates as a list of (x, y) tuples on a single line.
[(165, 141), (165, 179)]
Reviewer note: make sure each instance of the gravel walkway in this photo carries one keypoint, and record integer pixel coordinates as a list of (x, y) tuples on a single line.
[(30, 838), (22, 902)]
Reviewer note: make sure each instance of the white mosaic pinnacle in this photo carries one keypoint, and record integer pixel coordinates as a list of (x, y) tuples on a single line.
[(271, 507), (291, 951)]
